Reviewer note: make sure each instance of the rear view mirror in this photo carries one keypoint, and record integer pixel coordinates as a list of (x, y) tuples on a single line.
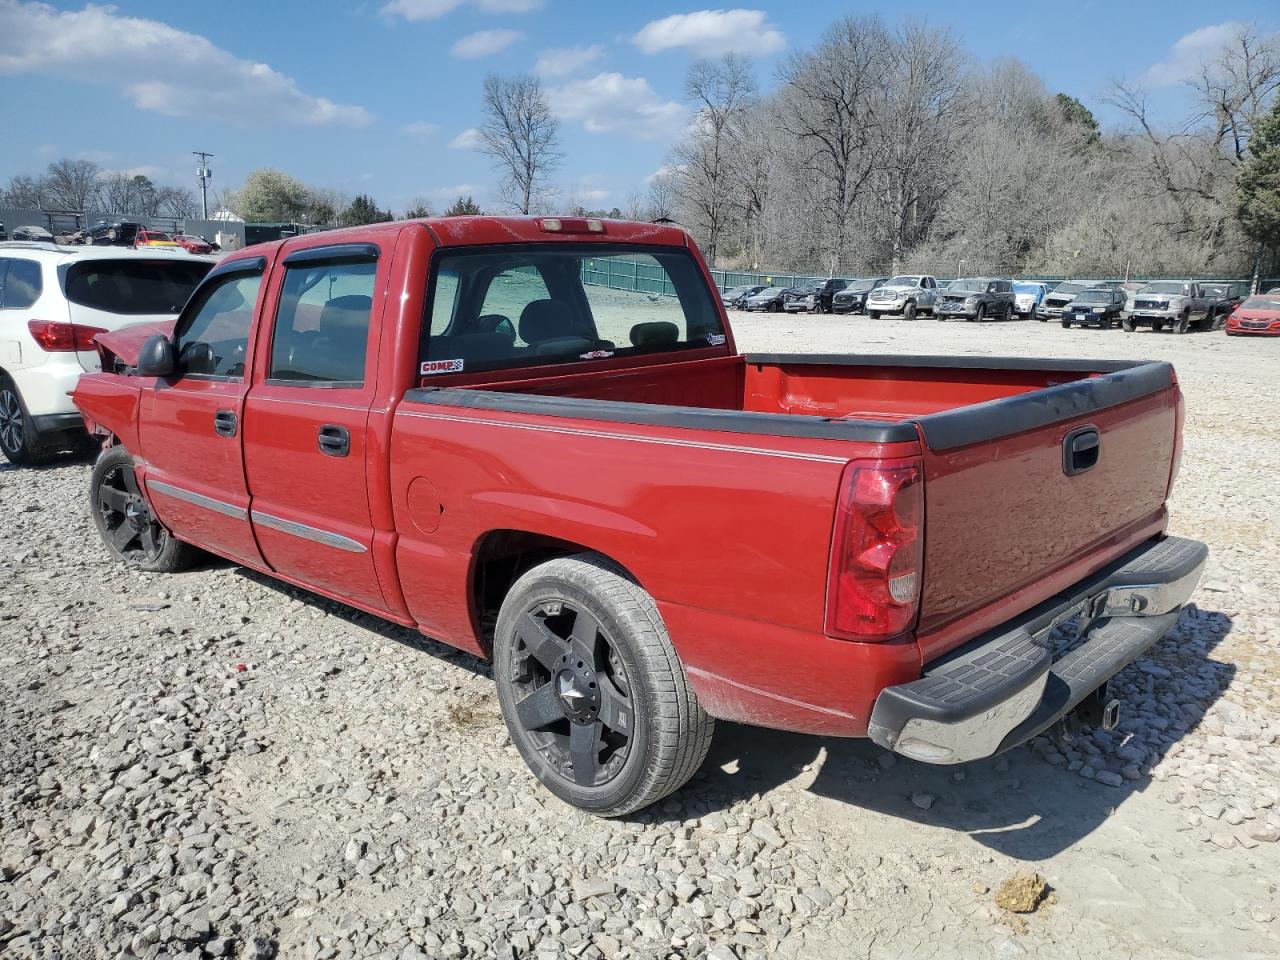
[(156, 358)]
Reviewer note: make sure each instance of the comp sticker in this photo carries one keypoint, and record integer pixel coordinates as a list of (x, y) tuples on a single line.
[(430, 367), (715, 339)]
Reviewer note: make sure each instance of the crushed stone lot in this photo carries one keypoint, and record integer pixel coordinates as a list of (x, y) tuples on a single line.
[(212, 764)]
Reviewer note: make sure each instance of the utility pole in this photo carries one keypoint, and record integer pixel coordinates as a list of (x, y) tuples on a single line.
[(204, 174)]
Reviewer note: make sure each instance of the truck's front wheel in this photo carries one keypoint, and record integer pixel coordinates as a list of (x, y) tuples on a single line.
[(594, 696), (128, 529)]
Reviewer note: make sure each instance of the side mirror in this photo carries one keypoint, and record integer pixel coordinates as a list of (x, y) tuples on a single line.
[(157, 357)]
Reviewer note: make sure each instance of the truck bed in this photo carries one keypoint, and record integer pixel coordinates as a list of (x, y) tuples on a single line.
[(1005, 525)]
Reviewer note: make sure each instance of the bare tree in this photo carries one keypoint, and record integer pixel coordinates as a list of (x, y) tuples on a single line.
[(832, 99), (71, 184), (521, 135), (662, 196), (918, 129), (24, 192), (722, 90)]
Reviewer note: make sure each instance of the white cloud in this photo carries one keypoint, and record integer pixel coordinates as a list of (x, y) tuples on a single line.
[(610, 102), (665, 170), (468, 139), (562, 61), (712, 33), (433, 9), (419, 128), (484, 43), (1188, 53), (149, 171), (186, 74), (454, 192)]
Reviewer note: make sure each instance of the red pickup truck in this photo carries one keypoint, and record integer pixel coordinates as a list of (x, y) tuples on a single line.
[(534, 439)]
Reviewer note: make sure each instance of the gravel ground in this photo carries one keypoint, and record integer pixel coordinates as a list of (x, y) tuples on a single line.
[(215, 765)]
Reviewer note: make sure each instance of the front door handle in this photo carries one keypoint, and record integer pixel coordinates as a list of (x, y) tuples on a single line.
[(334, 440), (224, 423)]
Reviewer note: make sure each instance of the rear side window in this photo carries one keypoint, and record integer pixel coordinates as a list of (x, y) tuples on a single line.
[(213, 339), (533, 304), (134, 287), (322, 326), (20, 283)]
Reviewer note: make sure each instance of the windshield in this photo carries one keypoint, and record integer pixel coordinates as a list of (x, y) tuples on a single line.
[(134, 287), (1165, 288), (1269, 302), (969, 283), (903, 282), (155, 235), (859, 286), (1094, 296), (813, 286), (737, 291), (1026, 288), (1067, 288), (534, 304)]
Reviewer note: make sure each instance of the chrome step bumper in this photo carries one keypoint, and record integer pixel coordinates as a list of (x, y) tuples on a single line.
[(1004, 688)]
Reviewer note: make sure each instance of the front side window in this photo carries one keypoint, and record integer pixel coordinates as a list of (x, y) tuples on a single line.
[(322, 325), (213, 340), (533, 304), (20, 283)]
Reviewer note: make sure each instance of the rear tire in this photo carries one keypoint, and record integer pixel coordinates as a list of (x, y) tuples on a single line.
[(130, 532), (18, 438), (909, 311), (980, 314), (1126, 325), (1182, 324), (593, 693)]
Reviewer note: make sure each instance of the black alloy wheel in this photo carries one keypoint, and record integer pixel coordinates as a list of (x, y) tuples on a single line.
[(593, 693), (573, 693), (130, 531), (129, 527)]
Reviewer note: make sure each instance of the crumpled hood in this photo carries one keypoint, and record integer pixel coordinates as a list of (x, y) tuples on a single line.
[(126, 342)]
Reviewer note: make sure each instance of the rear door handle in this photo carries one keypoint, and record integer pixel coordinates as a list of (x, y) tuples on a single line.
[(334, 440), (224, 423), (1080, 450)]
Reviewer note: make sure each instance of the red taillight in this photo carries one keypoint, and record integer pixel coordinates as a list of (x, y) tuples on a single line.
[(55, 337), (873, 588)]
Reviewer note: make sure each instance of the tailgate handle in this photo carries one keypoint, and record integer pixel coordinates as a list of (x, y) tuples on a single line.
[(1080, 450)]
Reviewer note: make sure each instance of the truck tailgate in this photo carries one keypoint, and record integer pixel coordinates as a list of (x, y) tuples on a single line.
[(1007, 515)]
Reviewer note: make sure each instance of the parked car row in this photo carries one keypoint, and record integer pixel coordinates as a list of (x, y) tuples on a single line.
[(1178, 305), (125, 233)]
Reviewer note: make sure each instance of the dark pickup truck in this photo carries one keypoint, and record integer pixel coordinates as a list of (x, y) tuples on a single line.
[(446, 423)]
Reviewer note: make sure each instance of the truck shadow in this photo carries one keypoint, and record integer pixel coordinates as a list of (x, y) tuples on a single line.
[(1019, 804)]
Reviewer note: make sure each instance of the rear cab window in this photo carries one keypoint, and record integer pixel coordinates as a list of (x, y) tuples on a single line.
[(133, 287), (522, 305), (321, 332)]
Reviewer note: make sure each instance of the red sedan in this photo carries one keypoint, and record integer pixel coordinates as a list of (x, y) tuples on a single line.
[(193, 244), (1258, 316)]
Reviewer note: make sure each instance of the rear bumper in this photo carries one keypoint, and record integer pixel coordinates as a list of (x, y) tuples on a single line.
[(1005, 687)]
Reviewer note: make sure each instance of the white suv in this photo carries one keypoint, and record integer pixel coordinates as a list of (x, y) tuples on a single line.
[(53, 301)]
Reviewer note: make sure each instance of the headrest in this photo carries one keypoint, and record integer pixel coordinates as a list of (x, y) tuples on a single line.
[(654, 333), (545, 320), (349, 311)]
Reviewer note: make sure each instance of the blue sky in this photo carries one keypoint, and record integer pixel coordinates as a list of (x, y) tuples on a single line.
[(377, 96)]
